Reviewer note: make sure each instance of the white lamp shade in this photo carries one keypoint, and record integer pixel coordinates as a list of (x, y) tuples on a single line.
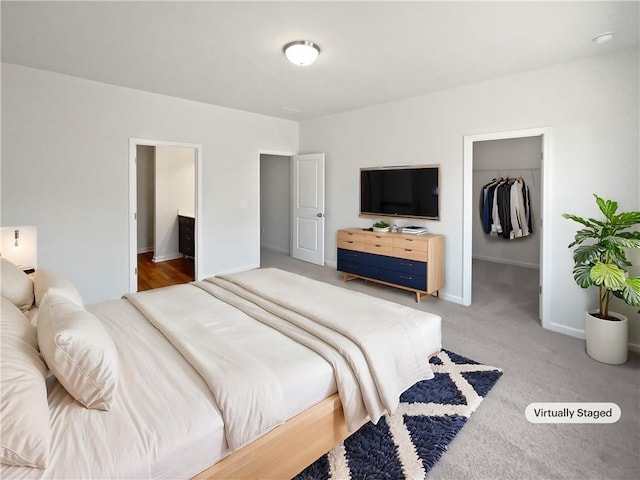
[(301, 52), (21, 249)]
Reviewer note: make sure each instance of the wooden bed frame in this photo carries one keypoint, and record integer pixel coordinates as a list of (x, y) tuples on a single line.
[(287, 449)]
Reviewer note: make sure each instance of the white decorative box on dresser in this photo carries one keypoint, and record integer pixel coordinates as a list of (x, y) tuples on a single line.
[(410, 262)]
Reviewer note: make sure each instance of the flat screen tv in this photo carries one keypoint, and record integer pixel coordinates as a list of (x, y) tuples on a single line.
[(410, 191)]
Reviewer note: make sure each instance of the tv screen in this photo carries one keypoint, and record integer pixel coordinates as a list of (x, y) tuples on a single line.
[(400, 191)]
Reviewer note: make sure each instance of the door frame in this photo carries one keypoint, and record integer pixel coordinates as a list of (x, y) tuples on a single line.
[(133, 201), (469, 210)]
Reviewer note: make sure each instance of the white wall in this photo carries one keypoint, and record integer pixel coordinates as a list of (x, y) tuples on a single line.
[(65, 169), (175, 193), (514, 157), (591, 106), (275, 202), (145, 179)]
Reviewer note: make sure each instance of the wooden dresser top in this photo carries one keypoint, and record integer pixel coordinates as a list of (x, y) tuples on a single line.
[(391, 234)]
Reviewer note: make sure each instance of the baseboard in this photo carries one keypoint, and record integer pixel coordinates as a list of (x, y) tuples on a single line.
[(506, 261), (164, 258), (575, 332), (451, 298), (145, 249), (331, 263), (572, 332)]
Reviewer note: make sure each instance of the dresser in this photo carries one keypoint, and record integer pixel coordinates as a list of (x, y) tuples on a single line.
[(411, 262), (186, 236)]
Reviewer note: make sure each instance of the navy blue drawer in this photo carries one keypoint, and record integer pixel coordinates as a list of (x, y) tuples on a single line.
[(403, 265), (358, 269), (363, 258), (410, 280)]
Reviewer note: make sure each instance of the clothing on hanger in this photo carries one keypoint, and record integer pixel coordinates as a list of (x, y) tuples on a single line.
[(505, 208)]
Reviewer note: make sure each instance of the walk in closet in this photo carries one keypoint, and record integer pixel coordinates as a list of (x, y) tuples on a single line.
[(507, 192)]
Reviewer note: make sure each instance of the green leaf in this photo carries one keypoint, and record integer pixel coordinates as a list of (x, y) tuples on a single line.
[(581, 274), (631, 292), (626, 219), (624, 241), (586, 222), (587, 254), (607, 207), (585, 233), (635, 235), (615, 254), (608, 275)]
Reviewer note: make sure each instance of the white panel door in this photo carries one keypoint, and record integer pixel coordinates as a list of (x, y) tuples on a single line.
[(307, 208)]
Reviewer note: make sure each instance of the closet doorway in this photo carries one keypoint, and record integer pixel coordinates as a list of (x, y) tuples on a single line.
[(275, 203), (164, 208), (516, 262), (292, 205)]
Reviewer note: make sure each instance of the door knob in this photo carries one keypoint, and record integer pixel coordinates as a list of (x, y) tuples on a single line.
[(320, 215)]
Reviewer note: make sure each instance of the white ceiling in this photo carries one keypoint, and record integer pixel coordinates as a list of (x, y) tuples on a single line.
[(230, 53)]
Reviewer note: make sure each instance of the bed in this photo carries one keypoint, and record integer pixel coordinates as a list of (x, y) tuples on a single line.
[(249, 375)]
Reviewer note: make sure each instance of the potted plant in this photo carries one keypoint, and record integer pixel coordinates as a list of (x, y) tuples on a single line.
[(381, 226), (600, 260)]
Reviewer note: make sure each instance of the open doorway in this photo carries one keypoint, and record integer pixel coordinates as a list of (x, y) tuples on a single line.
[(292, 218), (520, 154), (166, 219), (164, 202), (506, 257), (275, 203)]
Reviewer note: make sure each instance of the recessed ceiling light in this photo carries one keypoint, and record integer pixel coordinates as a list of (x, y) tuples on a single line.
[(301, 52), (603, 37)]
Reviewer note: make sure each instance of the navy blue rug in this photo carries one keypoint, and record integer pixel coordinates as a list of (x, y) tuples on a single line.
[(408, 443)]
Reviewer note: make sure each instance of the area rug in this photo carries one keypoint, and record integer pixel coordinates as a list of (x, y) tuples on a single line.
[(408, 443)]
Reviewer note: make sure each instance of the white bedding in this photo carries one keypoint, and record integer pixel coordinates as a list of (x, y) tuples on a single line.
[(375, 351), (165, 422)]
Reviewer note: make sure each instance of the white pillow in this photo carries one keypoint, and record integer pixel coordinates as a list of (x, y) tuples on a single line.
[(26, 428), (45, 281), (79, 351), (16, 286)]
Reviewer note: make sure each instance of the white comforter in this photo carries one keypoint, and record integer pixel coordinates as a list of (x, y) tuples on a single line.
[(247, 393), (370, 343), (165, 422)]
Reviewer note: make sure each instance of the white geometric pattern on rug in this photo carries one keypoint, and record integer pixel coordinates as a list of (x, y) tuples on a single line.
[(406, 453)]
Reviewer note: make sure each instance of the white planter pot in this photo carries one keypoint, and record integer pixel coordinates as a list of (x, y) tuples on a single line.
[(607, 340)]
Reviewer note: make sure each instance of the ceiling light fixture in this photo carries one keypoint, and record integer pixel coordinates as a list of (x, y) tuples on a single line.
[(301, 52), (603, 38)]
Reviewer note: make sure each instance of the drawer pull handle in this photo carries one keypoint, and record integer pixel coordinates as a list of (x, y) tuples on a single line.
[(349, 241), (378, 245), (405, 277), (378, 236), (408, 250), (409, 239), (406, 264)]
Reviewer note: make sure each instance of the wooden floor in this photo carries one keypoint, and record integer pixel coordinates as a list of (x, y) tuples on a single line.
[(162, 274)]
